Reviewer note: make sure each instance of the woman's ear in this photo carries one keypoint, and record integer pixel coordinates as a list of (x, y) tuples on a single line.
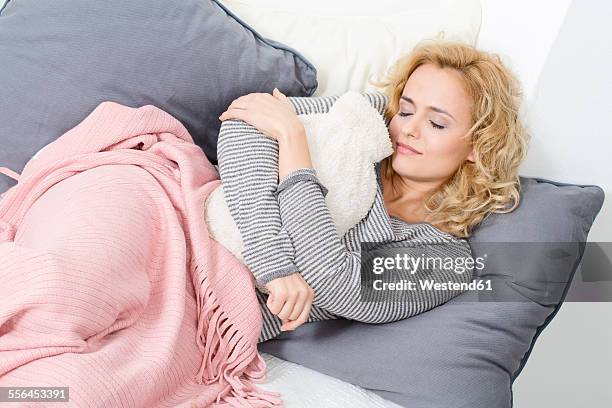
[(470, 156)]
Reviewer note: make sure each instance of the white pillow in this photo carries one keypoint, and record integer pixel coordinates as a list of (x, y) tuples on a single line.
[(352, 125), (349, 40)]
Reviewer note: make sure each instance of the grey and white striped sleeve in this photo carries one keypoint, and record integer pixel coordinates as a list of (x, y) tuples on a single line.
[(334, 272), (321, 104), (248, 167)]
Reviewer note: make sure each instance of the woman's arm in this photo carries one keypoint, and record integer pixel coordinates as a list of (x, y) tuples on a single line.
[(248, 167), (293, 149), (334, 272), (303, 228)]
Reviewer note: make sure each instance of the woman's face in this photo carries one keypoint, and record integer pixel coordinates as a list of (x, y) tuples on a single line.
[(427, 132)]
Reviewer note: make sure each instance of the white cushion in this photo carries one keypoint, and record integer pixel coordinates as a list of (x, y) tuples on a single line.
[(301, 387), (350, 40), (351, 125)]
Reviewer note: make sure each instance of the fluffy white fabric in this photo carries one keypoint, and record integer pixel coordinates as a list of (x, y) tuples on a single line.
[(344, 145)]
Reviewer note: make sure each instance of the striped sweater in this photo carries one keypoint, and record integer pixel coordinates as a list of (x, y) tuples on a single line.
[(286, 228)]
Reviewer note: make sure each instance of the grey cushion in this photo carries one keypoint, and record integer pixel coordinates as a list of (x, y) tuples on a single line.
[(191, 58), (467, 352)]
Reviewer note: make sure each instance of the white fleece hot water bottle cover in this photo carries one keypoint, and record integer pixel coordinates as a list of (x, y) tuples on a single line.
[(344, 145)]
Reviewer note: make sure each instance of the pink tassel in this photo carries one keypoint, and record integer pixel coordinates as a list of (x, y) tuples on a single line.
[(226, 355)]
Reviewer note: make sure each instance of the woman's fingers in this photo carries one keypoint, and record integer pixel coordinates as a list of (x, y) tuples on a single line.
[(242, 102), (288, 307), (239, 104), (241, 114), (254, 115), (290, 299), (279, 94), (302, 318), (301, 310), (257, 100), (282, 97), (276, 301), (272, 115), (246, 101), (299, 305)]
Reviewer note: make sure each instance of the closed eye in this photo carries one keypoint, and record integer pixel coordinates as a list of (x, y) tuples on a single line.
[(434, 124)]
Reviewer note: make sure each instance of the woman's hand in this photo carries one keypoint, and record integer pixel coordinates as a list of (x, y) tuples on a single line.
[(290, 299), (271, 114), (274, 116)]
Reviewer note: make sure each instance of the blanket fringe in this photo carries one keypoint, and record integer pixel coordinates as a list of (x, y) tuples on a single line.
[(227, 355)]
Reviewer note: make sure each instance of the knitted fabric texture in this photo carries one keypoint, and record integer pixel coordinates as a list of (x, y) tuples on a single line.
[(111, 284)]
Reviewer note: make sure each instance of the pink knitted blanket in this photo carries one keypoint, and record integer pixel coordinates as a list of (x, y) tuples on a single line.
[(109, 281)]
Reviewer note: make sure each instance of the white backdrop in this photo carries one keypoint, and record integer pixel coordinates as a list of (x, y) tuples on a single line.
[(522, 32), (561, 51)]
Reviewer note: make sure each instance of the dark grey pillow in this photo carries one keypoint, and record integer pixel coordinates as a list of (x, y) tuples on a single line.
[(467, 352), (191, 58)]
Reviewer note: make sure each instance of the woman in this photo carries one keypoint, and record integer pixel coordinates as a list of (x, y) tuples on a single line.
[(453, 118)]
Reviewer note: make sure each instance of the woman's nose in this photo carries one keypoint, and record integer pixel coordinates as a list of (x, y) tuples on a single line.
[(412, 127)]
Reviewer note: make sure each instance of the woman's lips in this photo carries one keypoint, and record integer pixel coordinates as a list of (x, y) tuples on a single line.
[(405, 149)]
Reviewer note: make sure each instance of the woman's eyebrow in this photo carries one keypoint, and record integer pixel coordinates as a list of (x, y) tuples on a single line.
[(433, 108)]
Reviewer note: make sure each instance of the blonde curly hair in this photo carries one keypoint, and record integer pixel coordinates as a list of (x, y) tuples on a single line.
[(490, 184)]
